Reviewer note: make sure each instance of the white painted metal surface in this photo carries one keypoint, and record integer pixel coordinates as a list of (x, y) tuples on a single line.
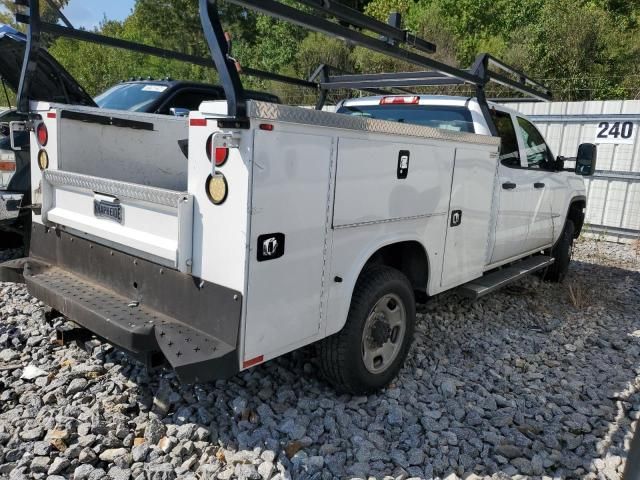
[(292, 172), (367, 187), (472, 196), (161, 233), (613, 207), (220, 243)]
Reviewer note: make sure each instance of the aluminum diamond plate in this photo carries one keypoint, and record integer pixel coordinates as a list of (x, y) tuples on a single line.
[(307, 116), (159, 196)]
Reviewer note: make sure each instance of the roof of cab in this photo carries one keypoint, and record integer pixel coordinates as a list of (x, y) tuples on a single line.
[(427, 100)]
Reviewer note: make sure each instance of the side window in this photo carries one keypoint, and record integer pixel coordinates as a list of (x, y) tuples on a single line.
[(509, 151), (189, 99), (538, 153)]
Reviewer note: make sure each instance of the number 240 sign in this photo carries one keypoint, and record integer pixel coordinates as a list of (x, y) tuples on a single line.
[(616, 132)]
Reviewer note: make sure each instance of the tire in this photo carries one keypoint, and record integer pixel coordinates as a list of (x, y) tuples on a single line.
[(561, 252), (369, 351)]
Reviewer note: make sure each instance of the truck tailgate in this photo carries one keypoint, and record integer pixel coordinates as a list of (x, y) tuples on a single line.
[(151, 222)]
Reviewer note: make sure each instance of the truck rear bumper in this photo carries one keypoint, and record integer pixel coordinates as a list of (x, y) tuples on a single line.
[(10, 203), (137, 305)]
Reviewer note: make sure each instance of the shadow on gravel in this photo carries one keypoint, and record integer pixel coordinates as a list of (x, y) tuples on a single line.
[(527, 381)]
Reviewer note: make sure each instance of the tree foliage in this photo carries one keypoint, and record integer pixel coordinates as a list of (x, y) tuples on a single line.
[(585, 49), (8, 10)]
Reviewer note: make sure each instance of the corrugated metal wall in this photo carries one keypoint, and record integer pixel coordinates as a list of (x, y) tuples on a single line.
[(613, 209)]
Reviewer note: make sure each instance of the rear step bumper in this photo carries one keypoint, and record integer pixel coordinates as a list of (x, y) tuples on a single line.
[(137, 305)]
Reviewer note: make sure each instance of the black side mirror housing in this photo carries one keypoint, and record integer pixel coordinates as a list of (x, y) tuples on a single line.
[(558, 165), (586, 159)]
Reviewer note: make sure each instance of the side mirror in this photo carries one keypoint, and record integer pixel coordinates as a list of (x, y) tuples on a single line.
[(179, 112), (586, 159)]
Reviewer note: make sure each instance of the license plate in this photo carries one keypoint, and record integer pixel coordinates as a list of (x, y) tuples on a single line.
[(110, 210)]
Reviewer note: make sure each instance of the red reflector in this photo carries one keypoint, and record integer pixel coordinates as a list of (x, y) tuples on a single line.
[(42, 134), (253, 361), (198, 122), (7, 167), (51, 115), (221, 156), (400, 100), (266, 126)]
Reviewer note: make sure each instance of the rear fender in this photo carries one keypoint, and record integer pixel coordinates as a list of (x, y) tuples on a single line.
[(340, 303)]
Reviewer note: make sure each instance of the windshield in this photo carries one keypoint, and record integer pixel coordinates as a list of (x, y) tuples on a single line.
[(435, 116), (135, 97)]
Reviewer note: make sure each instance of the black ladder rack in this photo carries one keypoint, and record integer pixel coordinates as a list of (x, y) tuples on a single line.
[(331, 18)]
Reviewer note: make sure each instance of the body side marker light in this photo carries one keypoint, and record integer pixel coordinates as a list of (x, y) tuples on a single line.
[(253, 361)]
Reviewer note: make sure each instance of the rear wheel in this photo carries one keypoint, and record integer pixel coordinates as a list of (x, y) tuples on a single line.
[(371, 348), (561, 252)]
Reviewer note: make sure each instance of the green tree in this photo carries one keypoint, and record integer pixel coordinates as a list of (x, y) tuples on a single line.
[(8, 10), (585, 48)]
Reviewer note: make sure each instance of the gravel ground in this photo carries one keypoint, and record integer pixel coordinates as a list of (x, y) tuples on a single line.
[(539, 379)]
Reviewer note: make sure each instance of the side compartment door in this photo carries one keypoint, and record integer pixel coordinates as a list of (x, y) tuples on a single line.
[(512, 222), (469, 218), (287, 252), (539, 184)]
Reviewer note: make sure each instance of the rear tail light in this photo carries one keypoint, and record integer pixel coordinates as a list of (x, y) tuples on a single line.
[(42, 134), (217, 188), (221, 154), (7, 161), (412, 100)]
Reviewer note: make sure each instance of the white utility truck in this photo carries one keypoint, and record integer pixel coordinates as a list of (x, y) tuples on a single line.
[(284, 226)]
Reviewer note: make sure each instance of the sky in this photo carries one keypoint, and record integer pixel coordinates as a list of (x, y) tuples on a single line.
[(89, 13)]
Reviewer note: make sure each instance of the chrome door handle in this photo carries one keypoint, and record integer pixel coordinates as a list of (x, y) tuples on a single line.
[(509, 185), (538, 185)]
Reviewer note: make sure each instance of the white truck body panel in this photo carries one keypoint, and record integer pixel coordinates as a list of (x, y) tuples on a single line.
[(367, 188), (329, 184), (292, 173), (157, 220), (467, 245)]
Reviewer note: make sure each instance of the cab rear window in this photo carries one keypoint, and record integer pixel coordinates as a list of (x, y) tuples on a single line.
[(436, 116)]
